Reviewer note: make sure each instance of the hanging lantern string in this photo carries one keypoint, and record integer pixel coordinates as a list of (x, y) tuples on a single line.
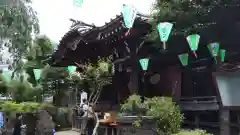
[(127, 33), (195, 54)]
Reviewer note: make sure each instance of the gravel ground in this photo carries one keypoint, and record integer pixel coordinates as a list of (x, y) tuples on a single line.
[(67, 133)]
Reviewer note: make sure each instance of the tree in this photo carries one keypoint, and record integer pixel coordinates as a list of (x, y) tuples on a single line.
[(187, 15), (21, 91), (162, 110), (96, 76), (18, 22), (55, 82), (22, 87), (36, 54)]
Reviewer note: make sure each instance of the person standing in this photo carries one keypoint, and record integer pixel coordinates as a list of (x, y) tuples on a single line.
[(17, 126), (88, 117), (91, 121)]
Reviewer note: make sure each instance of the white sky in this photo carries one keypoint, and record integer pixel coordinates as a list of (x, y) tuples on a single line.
[(54, 14)]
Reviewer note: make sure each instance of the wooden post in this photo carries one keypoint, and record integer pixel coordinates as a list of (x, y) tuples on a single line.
[(224, 121), (134, 77), (133, 82), (196, 122), (238, 122)]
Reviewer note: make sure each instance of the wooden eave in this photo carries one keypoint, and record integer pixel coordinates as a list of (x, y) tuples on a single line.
[(91, 36)]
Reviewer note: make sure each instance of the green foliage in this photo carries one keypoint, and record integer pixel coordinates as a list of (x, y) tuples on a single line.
[(10, 106), (3, 86), (186, 15), (41, 48), (31, 107), (18, 22), (133, 102), (59, 115), (21, 91), (193, 132), (54, 73), (96, 76), (103, 68), (36, 54), (166, 113)]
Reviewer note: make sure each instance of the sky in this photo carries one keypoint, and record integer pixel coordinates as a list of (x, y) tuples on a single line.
[(54, 15)]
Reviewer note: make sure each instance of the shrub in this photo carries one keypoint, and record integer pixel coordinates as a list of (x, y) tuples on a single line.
[(193, 132), (59, 115), (24, 107), (166, 113), (131, 105)]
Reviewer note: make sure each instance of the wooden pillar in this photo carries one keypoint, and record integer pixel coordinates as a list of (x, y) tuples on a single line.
[(238, 122), (133, 82), (196, 120), (224, 121)]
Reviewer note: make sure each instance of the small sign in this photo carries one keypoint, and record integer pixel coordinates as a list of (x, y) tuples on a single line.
[(193, 41), (37, 73), (129, 15), (164, 30), (1, 120), (183, 59), (144, 63), (214, 49)]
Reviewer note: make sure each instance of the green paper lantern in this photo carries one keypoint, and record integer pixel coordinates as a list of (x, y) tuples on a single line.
[(78, 3), (214, 49), (7, 75), (72, 69), (193, 41), (164, 30), (144, 63), (183, 59), (37, 73), (222, 54), (129, 15)]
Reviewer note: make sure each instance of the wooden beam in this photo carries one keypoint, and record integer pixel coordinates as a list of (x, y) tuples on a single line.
[(121, 60), (198, 106), (127, 48), (139, 47)]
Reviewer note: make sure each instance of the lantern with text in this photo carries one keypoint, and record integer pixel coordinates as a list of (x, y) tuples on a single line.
[(77, 3), (144, 65), (183, 59), (37, 74), (164, 30), (193, 41), (214, 49), (129, 15)]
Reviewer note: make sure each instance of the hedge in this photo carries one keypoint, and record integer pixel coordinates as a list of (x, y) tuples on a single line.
[(59, 115), (193, 132)]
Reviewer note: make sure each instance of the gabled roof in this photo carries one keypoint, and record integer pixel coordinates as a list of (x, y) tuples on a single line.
[(89, 33)]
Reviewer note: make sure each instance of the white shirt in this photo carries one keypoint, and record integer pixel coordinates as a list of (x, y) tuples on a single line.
[(85, 107)]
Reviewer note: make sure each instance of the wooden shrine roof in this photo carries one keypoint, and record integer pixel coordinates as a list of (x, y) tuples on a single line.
[(100, 40), (83, 38)]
